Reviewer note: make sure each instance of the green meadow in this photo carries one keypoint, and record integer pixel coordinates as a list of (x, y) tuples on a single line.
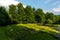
[(27, 32)]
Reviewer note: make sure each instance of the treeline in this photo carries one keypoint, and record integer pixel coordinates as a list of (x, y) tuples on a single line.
[(19, 14)]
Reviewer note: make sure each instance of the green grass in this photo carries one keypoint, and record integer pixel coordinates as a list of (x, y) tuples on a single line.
[(2, 34), (27, 32)]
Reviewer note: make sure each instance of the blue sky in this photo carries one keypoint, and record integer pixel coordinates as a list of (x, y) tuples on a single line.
[(46, 5)]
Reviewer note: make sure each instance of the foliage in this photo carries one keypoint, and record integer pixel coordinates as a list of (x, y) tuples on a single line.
[(29, 15), (4, 17), (21, 13), (50, 18), (58, 20), (13, 13), (39, 16)]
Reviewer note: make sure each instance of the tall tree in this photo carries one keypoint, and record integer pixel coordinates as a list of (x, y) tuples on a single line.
[(21, 13), (50, 16), (39, 16), (4, 17), (13, 13), (57, 19), (29, 14)]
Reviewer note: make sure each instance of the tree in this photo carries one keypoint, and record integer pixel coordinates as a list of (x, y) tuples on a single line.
[(49, 21), (21, 13), (13, 13), (33, 9), (39, 16), (57, 20), (4, 17), (50, 16), (29, 14)]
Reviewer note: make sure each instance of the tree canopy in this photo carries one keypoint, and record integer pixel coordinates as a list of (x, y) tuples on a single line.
[(19, 14)]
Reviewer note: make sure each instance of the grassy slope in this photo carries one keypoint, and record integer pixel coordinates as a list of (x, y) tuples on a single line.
[(2, 34), (26, 32)]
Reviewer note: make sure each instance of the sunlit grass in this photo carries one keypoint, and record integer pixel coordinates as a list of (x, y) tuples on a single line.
[(38, 28)]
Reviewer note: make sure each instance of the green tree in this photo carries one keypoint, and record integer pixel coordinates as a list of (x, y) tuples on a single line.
[(29, 14), (57, 20), (33, 9), (39, 16), (50, 16), (21, 13), (13, 13), (4, 17)]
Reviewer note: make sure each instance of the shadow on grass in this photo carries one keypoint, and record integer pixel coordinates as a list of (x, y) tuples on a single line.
[(23, 33)]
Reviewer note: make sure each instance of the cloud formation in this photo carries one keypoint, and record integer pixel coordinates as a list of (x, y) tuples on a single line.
[(8, 2), (57, 9)]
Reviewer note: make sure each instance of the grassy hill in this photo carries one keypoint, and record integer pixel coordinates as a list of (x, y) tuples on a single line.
[(27, 32)]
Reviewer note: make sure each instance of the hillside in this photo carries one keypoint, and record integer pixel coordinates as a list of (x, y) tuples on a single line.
[(27, 32)]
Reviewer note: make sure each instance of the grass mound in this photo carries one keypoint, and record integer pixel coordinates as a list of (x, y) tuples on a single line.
[(27, 32)]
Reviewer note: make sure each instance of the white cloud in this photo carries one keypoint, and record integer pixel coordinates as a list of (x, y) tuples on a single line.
[(8, 2), (57, 9)]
